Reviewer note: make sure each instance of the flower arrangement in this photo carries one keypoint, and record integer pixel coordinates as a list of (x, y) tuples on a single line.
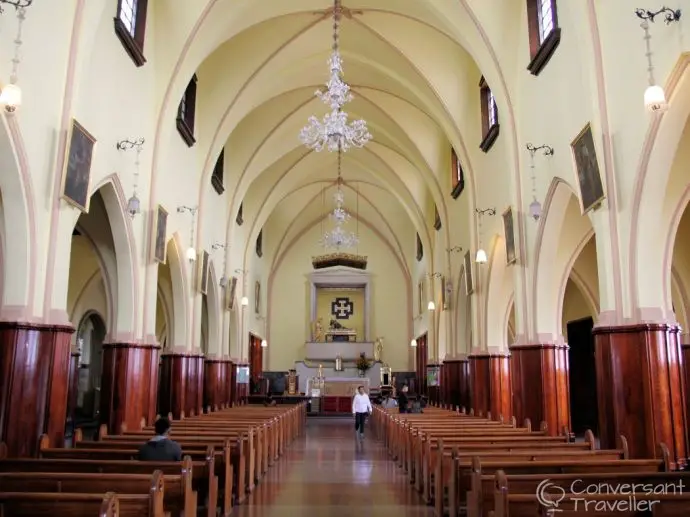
[(362, 363)]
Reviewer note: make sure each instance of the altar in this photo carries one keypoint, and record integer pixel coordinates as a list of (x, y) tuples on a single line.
[(337, 386)]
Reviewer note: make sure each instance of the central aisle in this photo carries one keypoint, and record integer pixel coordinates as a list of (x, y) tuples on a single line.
[(328, 474)]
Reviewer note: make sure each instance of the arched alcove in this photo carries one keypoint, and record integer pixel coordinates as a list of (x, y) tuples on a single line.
[(90, 336)]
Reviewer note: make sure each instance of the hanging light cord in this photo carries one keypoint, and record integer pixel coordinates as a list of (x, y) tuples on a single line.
[(534, 177), (647, 40)]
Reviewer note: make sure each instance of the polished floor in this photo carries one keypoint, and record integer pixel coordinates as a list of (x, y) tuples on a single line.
[(327, 473)]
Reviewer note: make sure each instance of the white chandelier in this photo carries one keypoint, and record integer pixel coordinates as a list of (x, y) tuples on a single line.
[(338, 238), (334, 132)]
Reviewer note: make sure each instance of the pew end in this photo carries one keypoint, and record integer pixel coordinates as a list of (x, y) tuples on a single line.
[(544, 427), (110, 506), (666, 456), (102, 431), (43, 443), (528, 425), (589, 438), (624, 447)]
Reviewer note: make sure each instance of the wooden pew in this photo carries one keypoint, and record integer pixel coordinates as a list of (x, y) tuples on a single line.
[(205, 481), (178, 495), (150, 503), (570, 505), (20, 504)]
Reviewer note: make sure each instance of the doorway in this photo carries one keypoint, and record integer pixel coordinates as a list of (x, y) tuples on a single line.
[(584, 411), (90, 336)]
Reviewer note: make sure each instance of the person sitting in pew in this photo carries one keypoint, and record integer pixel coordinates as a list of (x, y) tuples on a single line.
[(388, 402), (160, 447), (402, 400)]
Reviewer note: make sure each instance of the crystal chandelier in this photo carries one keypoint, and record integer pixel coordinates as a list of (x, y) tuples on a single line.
[(334, 132), (338, 238)]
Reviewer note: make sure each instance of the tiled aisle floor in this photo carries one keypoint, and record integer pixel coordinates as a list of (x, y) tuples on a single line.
[(328, 474)]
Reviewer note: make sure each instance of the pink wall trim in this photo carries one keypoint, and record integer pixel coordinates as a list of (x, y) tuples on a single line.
[(506, 316), (673, 82), (60, 155), (566, 274), (514, 146), (609, 165), (158, 135), (29, 199), (682, 290), (125, 230), (670, 245), (556, 183), (347, 185), (483, 291)]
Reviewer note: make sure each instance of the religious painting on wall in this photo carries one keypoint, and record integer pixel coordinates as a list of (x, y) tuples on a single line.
[(437, 219), (420, 249), (420, 296), (257, 297), (230, 290), (509, 230), (444, 301), (587, 167), (260, 244), (202, 274), (160, 240), (469, 279), (76, 177)]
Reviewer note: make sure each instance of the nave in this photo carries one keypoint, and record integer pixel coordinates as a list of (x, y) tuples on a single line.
[(326, 473)]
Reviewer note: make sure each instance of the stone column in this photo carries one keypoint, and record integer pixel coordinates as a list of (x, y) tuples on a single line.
[(491, 384), (34, 385), (640, 389), (129, 385), (540, 385)]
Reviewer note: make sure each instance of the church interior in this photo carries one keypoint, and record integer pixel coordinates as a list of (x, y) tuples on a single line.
[(482, 204)]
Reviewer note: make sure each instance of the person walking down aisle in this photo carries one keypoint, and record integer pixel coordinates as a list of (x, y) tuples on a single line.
[(361, 408)]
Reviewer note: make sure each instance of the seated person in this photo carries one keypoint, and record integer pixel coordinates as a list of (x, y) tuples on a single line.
[(270, 401), (388, 402), (160, 447)]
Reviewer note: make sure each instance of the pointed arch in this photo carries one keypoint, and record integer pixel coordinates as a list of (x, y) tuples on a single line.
[(213, 308), (500, 290), (177, 335)]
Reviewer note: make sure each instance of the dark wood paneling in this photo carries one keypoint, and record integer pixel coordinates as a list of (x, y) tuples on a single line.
[(491, 385), (540, 385), (129, 385), (256, 358), (34, 385), (217, 383), (172, 386), (455, 383), (639, 387), (421, 361)]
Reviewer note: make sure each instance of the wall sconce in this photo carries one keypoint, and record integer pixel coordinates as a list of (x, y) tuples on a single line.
[(191, 252), (431, 306), (223, 279), (264, 343), (535, 205), (133, 203), (654, 96), (244, 301), (413, 343), (481, 257), (11, 94)]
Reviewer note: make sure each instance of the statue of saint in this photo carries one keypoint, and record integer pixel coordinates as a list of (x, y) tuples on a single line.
[(378, 352), (317, 332)]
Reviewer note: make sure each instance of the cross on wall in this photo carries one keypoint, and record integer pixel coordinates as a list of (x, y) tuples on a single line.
[(342, 308)]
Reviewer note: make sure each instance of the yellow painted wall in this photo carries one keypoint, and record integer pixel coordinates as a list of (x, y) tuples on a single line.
[(326, 296)]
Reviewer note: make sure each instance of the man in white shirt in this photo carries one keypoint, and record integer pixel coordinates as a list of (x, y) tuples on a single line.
[(361, 407)]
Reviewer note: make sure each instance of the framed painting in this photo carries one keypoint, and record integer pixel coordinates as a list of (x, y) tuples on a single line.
[(230, 290), (420, 297), (587, 167), (202, 273), (444, 301), (509, 230), (160, 226), (469, 278), (76, 176), (257, 297)]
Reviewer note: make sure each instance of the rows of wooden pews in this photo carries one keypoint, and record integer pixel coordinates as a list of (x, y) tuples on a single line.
[(480, 467), (225, 454)]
